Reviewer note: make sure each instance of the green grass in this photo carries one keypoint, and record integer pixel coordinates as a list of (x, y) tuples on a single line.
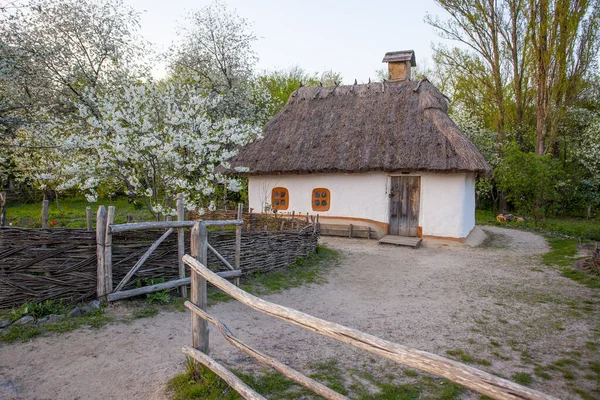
[(70, 212), (522, 378), (24, 333), (588, 229), (464, 357), (562, 253)]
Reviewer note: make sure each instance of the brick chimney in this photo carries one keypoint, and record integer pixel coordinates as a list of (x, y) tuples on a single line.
[(399, 64)]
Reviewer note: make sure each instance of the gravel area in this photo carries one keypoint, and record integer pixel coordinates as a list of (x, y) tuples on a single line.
[(495, 302)]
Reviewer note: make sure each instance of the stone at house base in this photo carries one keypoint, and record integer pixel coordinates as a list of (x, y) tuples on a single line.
[(401, 240), (52, 318), (476, 237), (28, 319)]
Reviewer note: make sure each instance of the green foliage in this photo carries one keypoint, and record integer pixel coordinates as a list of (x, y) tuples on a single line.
[(38, 310), (160, 297), (532, 182)]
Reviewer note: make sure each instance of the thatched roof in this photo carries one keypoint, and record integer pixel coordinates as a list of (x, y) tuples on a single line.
[(358, 128)]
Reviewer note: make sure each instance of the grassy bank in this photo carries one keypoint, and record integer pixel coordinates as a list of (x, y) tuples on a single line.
[(586, 229), (70, 213)]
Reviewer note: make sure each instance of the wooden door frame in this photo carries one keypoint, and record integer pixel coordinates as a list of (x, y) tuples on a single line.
[(388, 188)]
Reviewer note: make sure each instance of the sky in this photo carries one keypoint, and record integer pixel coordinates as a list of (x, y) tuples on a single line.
[(350, 37)]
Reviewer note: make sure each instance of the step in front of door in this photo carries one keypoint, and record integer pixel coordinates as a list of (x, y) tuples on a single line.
[(401, 240)]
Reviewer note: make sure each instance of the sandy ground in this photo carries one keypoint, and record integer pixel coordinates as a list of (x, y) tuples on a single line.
[(442, 296)]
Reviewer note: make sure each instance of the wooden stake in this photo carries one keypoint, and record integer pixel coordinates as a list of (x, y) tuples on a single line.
[(198, 294), (45, 205), (181, 243), (238, 242), (3, 208), (349, 230), (110, 218), (100, 237), (88, 217)]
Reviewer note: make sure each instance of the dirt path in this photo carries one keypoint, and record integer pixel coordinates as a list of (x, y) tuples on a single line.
[(441, 297)]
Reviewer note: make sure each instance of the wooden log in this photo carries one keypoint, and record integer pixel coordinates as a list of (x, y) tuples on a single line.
[(465, 375), (88, 217), (124, 294), (236, 383), (143, 259), (151, 225), (238, 241), (100, 237), (3, 209), (198, 288), (294, 375), (110, 218), (181, 242), (45, 206)]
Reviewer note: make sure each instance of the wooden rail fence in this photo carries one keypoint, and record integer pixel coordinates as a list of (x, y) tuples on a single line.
[(105, 229), (465, 375)]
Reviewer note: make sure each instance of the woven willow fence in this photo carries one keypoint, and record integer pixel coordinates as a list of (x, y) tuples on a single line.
[(45, 264)]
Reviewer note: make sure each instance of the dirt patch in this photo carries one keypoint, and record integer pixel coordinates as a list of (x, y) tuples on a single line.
[(495, 306)]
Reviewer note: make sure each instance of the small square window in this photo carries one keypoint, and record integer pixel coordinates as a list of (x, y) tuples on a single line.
[(280, 198), (319, 203)]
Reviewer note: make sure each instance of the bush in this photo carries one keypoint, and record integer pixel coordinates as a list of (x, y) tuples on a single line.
[(533, 183)]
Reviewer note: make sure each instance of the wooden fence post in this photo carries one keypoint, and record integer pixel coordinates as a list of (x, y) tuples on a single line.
[(100, 237), (88, 217), (3, 208), (45, 205), (198, 295), (238, 242), (181, 243), (110, 217)]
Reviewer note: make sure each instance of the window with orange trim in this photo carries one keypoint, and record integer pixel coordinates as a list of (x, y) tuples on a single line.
[(321, 199), (280, 198)]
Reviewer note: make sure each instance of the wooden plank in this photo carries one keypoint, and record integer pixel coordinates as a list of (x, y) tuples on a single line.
[(45, 206), (198, 294), (236, 383), (143, 259), (181, 242), (294, 375), (401, 240), (110, 218), (88, 217), (124, 294), (151, 225), (100, 237), (238, 241), (455, 371)]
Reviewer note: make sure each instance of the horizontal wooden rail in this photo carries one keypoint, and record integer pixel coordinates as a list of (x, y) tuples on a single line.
[(165, 285), (294, 375), (465, 375), (236, 383), (136, 226)]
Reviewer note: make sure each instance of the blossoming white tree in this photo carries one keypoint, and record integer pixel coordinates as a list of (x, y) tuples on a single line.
[(152, 140)]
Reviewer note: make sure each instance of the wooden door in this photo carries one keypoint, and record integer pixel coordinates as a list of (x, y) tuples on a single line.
[(404, 205)]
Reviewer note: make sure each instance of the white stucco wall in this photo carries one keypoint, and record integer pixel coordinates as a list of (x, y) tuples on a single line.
[(447, 206)]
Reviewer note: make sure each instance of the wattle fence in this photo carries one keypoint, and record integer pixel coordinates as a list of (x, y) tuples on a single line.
[(48, 264)]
